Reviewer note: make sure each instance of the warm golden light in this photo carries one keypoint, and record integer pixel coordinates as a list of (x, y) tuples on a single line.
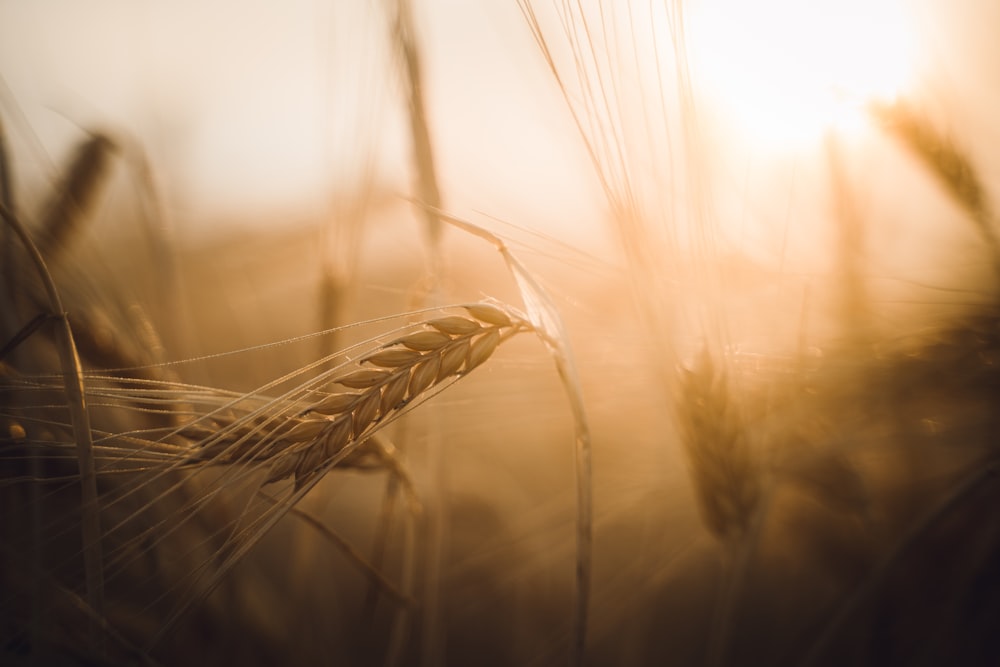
[(786, 71)]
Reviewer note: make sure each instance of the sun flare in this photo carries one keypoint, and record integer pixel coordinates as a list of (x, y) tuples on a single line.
[(785, 72)]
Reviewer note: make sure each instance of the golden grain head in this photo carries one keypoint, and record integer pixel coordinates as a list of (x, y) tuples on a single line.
[(387, 380)]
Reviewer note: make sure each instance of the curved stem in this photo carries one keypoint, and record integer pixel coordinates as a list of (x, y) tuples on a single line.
[(72, 372)]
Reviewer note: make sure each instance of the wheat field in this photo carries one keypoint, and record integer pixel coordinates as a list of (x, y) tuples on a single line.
[(508, 333)]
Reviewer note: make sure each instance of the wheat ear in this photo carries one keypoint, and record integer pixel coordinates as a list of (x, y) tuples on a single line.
[(953, 169), (76, 195), (329, 431), (725, 476)]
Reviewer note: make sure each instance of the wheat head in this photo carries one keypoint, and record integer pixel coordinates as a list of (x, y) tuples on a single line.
[(378, 387), (726, 477)]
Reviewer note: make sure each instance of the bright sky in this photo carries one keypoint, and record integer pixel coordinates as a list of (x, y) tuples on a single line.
[(256, 106), (786, 71), (259, 107)]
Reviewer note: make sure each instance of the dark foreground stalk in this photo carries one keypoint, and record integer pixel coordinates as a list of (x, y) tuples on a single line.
[(72, 373)]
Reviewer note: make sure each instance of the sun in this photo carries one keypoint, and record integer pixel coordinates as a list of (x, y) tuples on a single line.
[(786, 72)]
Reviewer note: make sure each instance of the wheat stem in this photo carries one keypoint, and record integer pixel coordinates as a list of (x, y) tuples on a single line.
[(548, 326), (80, 419)]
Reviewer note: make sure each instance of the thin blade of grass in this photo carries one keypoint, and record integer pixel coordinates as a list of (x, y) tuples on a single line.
[(80, 418), (548, 325)]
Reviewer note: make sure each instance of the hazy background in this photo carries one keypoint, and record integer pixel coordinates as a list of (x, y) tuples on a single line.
[(255, 111)]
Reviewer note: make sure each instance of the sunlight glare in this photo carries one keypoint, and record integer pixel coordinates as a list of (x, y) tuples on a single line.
[(785, 72)]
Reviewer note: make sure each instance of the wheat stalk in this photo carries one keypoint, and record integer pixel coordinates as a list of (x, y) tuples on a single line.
[(75, 391), (548, 325), (428, 189)]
